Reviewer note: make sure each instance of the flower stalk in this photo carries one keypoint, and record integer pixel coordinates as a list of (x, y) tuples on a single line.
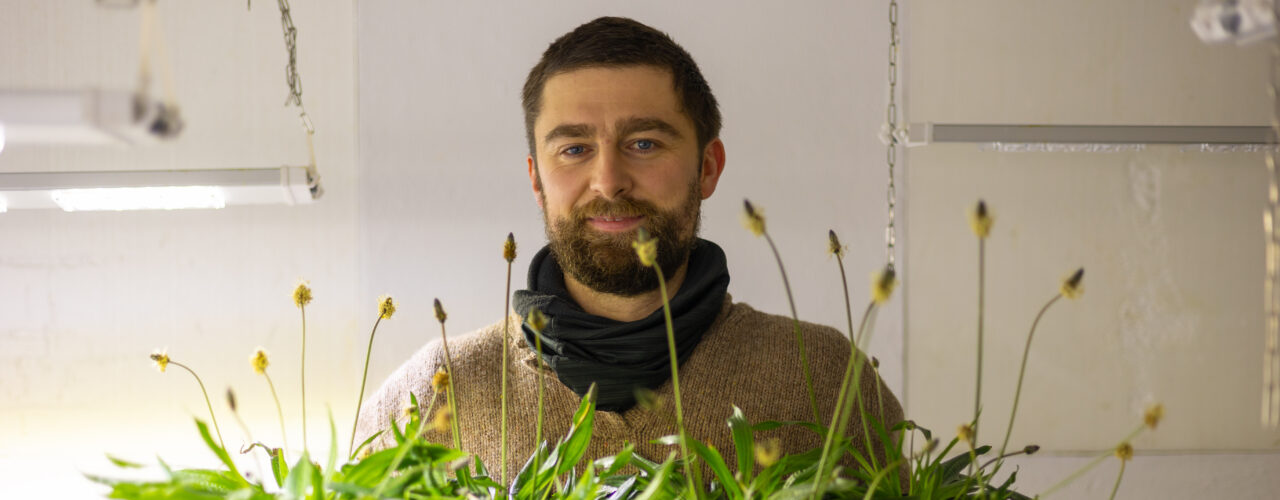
[(753, 219), (386, 308), (260, 362), (647, 250), (509, 255), (162, 361), (980, 221), (302, 297), (451, 393)]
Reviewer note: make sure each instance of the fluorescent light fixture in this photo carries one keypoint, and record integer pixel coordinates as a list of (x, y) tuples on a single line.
[(4, 205), (158, 189), (919, 134), (90, 116), (139, 198), (1, 137)]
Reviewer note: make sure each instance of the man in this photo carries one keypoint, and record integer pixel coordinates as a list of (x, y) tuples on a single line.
[(623, 133)]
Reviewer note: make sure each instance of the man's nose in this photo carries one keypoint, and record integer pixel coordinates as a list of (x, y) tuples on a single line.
[(610, 177)]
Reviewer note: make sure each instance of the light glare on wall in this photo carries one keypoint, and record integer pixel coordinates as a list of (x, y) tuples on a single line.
[(139, 198)]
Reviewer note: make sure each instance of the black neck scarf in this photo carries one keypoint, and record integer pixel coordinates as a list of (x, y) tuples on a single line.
[(620, 357)]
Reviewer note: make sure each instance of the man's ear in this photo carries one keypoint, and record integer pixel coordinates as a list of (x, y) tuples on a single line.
[(712, 167), (534, 181)]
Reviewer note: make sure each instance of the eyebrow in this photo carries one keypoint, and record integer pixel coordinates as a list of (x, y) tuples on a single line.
[(625, 127)]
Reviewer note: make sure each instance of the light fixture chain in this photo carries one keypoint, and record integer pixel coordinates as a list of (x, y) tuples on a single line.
[(891, 118), (1271, 354)]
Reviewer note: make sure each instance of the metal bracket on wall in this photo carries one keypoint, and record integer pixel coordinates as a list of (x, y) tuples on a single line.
[(922, 134)]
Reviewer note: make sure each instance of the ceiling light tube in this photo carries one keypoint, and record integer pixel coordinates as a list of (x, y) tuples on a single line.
[(920, 134), (157, 189)]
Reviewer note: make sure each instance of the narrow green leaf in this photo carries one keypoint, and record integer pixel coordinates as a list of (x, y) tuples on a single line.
[(743, 443), (613, 464), (575, 444), (365, 443), (122, 463), (718, 467), (333, 448), (658, 481), (217, 450), (279, 468), (299, 477)]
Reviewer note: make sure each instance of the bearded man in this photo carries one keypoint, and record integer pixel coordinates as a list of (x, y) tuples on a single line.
[(623, 134)]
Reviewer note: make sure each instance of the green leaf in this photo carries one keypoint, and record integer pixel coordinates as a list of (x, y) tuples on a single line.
[(743, 443), (716, 462), (613, 464), (575, 444), (333, 447), (279, 468), (221, 453), (122, 463), (658, 481), (206, 480), (299, 477), (365, 443)]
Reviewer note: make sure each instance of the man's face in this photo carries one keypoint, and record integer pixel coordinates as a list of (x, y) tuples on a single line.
[(616, 153)]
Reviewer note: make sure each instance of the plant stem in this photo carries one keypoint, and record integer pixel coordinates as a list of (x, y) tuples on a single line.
[(279, 413), (506, 339), (537, 433), (1017, 393), (206, 400), (977, 399), (840, 420), (675, 384), (1094, 463), (1119, 476), (452, 399), (363, 379), (303, 308), (795, 321)]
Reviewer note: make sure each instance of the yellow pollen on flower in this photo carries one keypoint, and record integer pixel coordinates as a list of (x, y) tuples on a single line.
[(752, 218), (509, 248), (980, 220), (537, 321), (365, 452), (882, 285), (768, 452), (1152, 416), (302, 293), (161, 358), (965, 433), (441, 421), (1073, 285), (1124, 451), (259, 361), (440, 381), (386, 306), (833, 244), (646, 248), (409, 408)]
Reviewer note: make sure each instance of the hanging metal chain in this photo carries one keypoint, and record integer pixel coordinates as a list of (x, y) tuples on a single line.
[(1271, 355), (891, 118), (291, 75)]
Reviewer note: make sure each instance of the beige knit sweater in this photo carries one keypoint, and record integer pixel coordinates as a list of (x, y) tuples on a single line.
[(747, 358)]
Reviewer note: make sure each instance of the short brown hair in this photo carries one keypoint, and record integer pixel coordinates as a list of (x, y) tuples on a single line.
[(618, 41)]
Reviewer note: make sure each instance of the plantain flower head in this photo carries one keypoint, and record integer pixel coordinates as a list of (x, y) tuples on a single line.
[(1124, 451), (409, 409), (882, 284), (537, 321), (1073, 285), (440, 314), (646, 248), (980, 220), (259, 361), (965, 433), (509, 248), (768, 452), (440, 381), (833, 244), (752, 218), (231, 399), (1031, 449), (161, 358), (386, 306), (1152, 416), (442, 420), (302, 294)]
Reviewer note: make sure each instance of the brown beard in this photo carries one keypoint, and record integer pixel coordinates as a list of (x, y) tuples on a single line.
[(606, 262)]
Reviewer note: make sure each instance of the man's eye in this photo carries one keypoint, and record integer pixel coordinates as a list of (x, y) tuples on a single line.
[(645, 145), (574, 150)]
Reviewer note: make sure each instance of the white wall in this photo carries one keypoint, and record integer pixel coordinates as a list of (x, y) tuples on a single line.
[(85, 297), (1171, 242)]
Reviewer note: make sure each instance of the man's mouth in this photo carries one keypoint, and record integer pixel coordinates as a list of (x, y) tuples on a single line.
[(615, 224)]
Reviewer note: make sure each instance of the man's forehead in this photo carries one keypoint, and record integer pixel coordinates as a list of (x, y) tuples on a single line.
[(603, 97)]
